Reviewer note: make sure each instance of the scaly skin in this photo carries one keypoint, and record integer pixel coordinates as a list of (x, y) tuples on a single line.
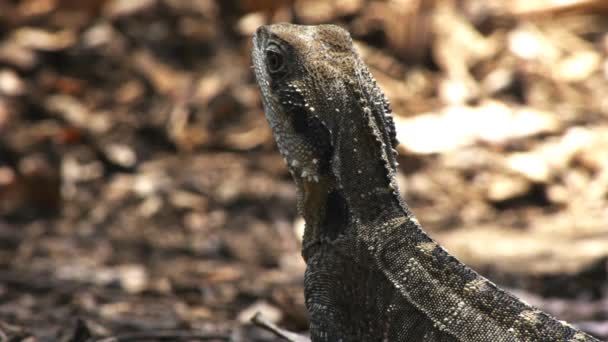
[(372, 273)]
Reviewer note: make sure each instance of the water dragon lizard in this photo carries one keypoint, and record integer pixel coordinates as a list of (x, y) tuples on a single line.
[(372, 273)]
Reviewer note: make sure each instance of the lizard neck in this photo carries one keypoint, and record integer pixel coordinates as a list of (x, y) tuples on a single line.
[(360, 189)]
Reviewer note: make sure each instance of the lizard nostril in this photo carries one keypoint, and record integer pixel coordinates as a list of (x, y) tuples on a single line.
[(260, 36)]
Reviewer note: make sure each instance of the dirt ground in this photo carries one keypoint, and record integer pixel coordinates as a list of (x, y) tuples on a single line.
[(142, 196)]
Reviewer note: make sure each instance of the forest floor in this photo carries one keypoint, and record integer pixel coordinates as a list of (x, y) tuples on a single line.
[(141, 190)]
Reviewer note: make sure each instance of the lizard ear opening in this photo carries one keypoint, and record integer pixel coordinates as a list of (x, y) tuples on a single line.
[(336, 215)]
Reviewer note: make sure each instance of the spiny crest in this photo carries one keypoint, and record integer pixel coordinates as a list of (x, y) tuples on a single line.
[(390, 123), (387, 112)]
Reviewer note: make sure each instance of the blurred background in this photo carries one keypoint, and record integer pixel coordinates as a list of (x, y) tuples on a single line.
[(140, 187)]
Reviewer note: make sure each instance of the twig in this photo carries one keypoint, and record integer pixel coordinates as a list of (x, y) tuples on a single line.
[(162, 336), (263, 323), (9, 332)]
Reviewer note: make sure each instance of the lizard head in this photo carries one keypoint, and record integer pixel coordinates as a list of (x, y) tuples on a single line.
[(329, 118), (296, 68)]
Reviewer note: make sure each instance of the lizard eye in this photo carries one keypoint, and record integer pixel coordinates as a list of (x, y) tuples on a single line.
[(274, 60)]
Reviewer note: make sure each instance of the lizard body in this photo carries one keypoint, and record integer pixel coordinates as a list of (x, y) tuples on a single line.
[(372, 273)]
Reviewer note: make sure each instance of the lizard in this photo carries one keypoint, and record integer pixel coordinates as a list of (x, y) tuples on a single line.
[(372, 273)]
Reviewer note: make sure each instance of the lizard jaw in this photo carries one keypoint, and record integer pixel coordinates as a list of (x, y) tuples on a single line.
[(301, 161)]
